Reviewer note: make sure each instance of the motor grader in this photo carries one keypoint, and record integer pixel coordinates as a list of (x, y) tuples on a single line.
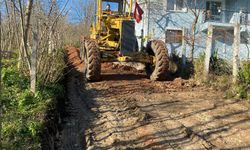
[(113, 39)]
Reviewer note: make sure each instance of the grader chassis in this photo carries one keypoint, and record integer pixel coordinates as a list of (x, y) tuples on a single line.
[(113, 39)]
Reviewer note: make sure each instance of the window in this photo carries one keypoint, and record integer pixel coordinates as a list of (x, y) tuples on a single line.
[(113, 5), (244, 17), (245, 38), (213, 10), (175, 5), (179, 4), (170, 5), (174, 36)]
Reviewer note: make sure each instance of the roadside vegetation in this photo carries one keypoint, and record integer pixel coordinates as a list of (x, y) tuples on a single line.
[(220, 76), (243, 88), (24, 112), (33, 38)]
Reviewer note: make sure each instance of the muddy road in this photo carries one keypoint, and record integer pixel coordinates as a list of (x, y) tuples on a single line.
[(128, 111)]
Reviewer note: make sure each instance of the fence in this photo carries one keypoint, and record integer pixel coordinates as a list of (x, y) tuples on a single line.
[(226, 16)]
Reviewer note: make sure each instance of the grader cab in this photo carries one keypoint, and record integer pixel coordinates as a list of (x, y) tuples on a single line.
[(113, 39)]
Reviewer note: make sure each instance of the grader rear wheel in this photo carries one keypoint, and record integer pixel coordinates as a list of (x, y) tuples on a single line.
[(158, 70), (92, 61)]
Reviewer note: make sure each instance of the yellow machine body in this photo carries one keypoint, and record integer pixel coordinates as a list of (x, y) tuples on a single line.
[(113, 39), (115, 33)]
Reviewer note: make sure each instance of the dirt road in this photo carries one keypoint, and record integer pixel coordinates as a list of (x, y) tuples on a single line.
[(128, 111)]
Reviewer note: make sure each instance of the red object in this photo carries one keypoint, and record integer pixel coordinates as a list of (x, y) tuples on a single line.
[(138, 12)]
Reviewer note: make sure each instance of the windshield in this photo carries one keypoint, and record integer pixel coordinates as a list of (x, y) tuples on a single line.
[(113, 6)]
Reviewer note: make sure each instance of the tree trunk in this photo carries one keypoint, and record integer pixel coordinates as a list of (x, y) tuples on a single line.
[(184, 58), (193, 38), (8, 45), (51, 40), (25, 25), (16, 34), (33, 63)]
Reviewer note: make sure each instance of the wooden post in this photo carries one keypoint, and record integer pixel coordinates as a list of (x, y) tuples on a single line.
[(33, 63), (208, 51), (236, 49)]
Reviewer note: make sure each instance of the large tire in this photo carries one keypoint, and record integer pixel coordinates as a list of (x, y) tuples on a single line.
[(92, 61), (158, 71)]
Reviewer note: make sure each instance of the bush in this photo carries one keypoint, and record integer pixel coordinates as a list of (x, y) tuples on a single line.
[(218, 66), (220, 76), (199, 67), (244, 81), (50, 70), (244, 74), (23, 111)]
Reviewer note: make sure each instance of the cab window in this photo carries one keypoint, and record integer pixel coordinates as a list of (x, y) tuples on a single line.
[(114, 7)]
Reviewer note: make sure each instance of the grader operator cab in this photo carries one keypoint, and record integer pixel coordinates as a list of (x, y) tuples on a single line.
[(113, 39)]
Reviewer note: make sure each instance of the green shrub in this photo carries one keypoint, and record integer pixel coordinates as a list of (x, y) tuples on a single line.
[(23, 111), (220, 76), (244, 80), (219, 66), (244, 74), (199, 67)]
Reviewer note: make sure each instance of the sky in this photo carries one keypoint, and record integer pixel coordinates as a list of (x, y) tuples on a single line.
[(72, 6), (75, 6)]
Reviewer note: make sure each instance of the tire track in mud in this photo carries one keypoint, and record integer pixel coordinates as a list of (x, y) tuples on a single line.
[(127, 111), (183, 135), (124, 124), (73, 135), (75, 124), (105, 115)]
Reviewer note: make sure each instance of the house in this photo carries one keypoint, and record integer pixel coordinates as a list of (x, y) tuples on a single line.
[(172, 21)]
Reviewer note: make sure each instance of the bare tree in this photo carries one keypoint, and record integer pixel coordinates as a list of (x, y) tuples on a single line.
[(48, 20), (196, 10), (25, 27), (85, 15)]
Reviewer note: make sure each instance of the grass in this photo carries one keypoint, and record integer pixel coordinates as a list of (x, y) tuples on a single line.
[(24, 112)]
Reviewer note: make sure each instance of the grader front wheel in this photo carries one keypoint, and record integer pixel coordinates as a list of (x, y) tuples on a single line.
[(158, 70), (92, 61)]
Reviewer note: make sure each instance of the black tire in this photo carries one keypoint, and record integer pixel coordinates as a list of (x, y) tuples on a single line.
[(92, 61), (158, 71)]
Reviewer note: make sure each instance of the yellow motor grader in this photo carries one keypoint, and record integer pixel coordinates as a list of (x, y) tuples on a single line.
[(113, 39)]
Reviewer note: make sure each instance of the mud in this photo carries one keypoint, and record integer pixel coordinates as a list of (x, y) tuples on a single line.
[(128, 111)]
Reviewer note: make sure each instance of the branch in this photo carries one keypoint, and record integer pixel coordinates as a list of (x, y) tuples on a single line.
[(59, 14)]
